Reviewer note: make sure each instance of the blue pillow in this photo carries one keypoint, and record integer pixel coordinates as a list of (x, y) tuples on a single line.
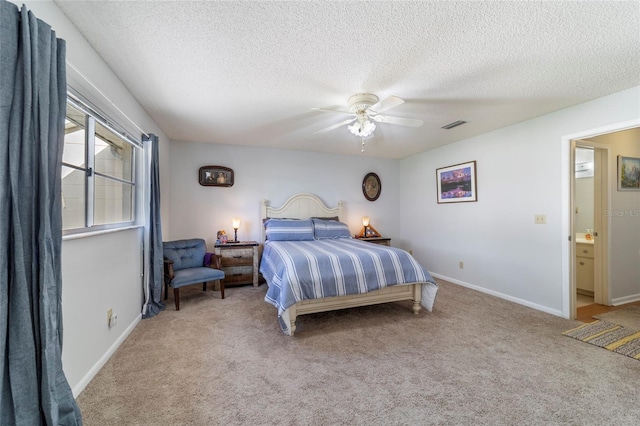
[(289, 230), (330, 229)]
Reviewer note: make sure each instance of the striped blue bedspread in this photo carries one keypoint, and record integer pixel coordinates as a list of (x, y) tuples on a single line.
[(300, 270)]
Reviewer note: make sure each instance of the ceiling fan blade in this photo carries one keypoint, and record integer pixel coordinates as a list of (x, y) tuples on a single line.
[(410, 122), (387, 103), (335, 126), (330, 110)]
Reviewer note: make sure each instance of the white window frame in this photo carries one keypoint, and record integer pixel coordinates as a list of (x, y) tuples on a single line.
[(89, 167)]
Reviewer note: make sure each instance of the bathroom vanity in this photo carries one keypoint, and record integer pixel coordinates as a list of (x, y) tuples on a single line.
[(584, 267)]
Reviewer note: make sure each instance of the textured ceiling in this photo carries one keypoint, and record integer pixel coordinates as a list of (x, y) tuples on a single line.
[(249, 73)]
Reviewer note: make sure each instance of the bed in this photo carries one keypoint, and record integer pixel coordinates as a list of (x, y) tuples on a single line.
[(329, 270)]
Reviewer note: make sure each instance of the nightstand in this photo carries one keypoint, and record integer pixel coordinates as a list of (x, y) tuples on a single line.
[(377, 240), (239, 262)]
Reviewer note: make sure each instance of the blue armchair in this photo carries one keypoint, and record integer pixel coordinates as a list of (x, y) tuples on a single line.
[(187, 262)]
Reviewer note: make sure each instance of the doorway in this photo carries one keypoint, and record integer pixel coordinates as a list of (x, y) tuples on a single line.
[(584, 207), (590, 186), (619, 283)]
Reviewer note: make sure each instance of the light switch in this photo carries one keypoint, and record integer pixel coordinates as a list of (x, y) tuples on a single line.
[(540, 219)]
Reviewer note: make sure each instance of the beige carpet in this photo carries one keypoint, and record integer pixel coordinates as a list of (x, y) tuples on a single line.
[(628, 317), (474, 360)]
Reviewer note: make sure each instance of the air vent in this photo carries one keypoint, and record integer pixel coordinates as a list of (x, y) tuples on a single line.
[(454, 124)]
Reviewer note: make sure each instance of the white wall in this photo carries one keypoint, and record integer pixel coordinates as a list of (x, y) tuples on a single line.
[(99, 272), (521, 172), (274, 175)]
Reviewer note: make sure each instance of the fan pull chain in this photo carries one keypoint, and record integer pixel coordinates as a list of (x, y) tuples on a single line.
[(362, 150)]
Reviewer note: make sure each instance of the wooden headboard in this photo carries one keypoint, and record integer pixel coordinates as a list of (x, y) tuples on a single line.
[(299, 206)]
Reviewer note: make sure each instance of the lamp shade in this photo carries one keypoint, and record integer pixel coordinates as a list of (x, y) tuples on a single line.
[(365, 221), (236, 222)]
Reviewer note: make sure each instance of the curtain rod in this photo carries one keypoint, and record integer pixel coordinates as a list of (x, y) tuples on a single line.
[(105, 96)]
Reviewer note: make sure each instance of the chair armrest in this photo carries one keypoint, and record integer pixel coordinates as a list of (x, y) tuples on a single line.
[(168, 269), (214, 260)]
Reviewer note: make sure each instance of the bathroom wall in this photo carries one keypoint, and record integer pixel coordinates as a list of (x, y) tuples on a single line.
[(584, 190)]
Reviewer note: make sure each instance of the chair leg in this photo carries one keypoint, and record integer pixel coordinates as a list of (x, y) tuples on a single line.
[(176, 297), (166, 291), (204, 286), (221, 289)]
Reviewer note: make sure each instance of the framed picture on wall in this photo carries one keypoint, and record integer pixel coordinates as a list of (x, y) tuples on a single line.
[(371, 186), (215, 176), (628, 173), (457, 183)]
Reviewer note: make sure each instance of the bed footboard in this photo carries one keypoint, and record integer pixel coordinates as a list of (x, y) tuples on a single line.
[(385, 295)]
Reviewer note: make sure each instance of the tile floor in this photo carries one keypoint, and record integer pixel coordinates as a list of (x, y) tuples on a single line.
[(582, 300)]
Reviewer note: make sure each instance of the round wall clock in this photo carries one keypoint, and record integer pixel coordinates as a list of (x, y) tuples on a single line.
[(371, 186)]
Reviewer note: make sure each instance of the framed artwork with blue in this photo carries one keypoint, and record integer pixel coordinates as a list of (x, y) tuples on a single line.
[(457, 183)]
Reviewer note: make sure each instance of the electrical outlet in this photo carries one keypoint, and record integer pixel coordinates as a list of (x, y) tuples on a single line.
[(540, 219), (461, 264), (109, 315)]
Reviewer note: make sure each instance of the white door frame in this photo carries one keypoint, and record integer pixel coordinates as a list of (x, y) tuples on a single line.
[(568, 246)]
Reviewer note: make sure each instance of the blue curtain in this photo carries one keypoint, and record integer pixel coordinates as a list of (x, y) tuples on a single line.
[(155, 276), (33, 388)]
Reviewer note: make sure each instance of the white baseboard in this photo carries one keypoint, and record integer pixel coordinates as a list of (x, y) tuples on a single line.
[(103, 360), (542, 308), (626, 299)]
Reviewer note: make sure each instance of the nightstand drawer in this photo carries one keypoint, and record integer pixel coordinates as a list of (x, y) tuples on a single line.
[(238, 256), (238, 275)]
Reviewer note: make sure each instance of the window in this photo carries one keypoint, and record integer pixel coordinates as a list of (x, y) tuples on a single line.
[(73, 170), (98, 173)]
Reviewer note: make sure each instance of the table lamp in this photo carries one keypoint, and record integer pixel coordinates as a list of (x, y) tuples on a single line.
[(236, 225), (367, 229), (365, 224)]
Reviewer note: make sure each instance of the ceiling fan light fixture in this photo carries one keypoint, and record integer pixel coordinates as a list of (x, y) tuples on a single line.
[(360, 102), (362, 128), (365, 108)]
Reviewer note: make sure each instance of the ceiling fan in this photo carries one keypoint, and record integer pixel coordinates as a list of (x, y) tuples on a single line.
[(364, 107)]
